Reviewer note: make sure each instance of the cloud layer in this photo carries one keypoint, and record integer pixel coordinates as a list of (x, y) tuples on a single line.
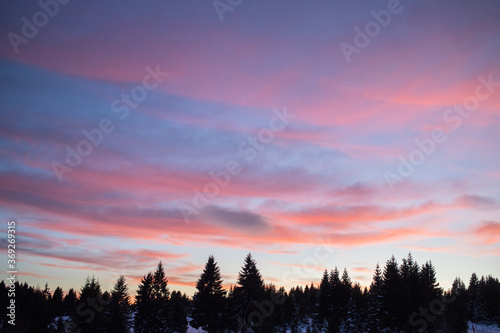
[(73, 183)]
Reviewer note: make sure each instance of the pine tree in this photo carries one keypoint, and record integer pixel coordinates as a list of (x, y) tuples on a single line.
[(489, 300), (277, 321), (375, 300), (429, 292), (337, 302), (178, 320), (160, 294), (119, 308), (455, 314), (144, 321), (250, 290), (209, 299), (290, 310), (354, 321), (32, 310), (391, 291), (91, 306), (345, 295), (410, 290), (323, 303), (311, 295), (46, 293), (152, 303), (56, 303), (473, 299), (70, 302), (428, 286)]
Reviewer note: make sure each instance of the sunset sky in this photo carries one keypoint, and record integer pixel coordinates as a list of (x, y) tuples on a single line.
[(314, 134)]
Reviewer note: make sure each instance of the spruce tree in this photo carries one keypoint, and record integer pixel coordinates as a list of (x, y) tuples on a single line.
[(337, 302), (209, 299), (152, 303), (473, 299), (248, 293), (291, 313), (355, 318), (91, 306), (391, 291), (70, 302), (177, 314), (279, 298), (46, 293), (56, 303), (455, 312), (32, 310), (345, 295), (375, 300), (144, 320), (429, 292), (428, 286), (323, 302), (160, 295), (489, 300), (411, 290), (119, 308)]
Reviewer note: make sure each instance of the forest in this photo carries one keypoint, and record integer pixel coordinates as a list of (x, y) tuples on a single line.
[(402, 297)]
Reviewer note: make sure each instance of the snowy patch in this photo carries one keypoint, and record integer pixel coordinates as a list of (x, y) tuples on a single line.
[(484, 328)]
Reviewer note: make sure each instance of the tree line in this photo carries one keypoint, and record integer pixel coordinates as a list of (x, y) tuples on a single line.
[(401, 298)]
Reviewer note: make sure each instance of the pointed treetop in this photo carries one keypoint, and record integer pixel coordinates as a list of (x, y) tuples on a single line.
[(210, 280), (249, 275), (346, 280)]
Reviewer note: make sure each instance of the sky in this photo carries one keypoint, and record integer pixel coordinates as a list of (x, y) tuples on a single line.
[(312, 134)]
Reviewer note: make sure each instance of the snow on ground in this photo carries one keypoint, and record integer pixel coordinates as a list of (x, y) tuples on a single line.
[(193, 330), (479, 329), (484, 328)]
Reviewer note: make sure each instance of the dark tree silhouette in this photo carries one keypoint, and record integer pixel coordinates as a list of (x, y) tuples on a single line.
[(119, 308), (56, 303), (324, 303), (455, 316), (375, 300), (356, 312), (337, 302), (91, 307), (489, 300), (473, 299), (209, 300), (405, 298), (152, 303), (247, 294), (144, 320), (392, 318), (411, 295), (177, 313)]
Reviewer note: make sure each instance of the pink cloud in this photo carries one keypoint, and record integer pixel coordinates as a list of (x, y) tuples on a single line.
[(489, 231)]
